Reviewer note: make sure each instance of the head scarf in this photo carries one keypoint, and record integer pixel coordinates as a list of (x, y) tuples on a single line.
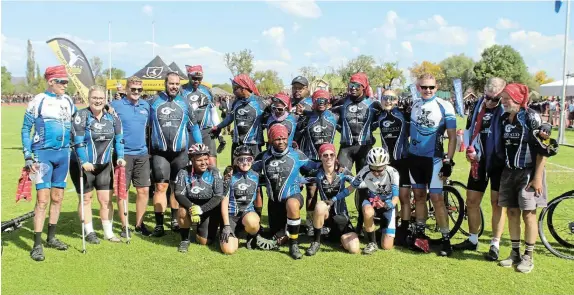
[(518, 93), (362, 79), (276, 131), (245, 81), (56, 72), (195, 71), (326, 147), (284, 98)]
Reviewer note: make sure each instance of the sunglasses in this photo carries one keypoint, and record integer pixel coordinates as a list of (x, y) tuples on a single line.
[(322, 101), (427, 87), (97, 98), (355, 85), (389, 97), (196, 78), (327, 156), (377, 169), (278, 109), (136, 90), (244, 160), (493, 99), (61, 82)]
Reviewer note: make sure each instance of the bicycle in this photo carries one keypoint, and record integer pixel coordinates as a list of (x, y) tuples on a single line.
[(462, 229), (560, 226)]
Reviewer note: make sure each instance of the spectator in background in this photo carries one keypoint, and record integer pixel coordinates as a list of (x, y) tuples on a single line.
[(553, 111), (570, 108)]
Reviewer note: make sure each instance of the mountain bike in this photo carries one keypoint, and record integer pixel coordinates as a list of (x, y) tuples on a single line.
[(560, 225), (464, 227)]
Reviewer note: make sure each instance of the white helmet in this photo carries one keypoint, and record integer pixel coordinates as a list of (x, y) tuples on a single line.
[(378, 157)]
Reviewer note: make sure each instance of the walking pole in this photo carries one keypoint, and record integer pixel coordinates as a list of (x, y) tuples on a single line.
[(82, 204), (127, 222)]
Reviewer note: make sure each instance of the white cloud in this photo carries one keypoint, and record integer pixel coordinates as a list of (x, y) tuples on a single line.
[(296, 27), (356, 50), (262, 65), (506, 24), (147, 10), (14, 54), (389, 27), (332, 45), (300, 8), (535, 42), (407, 46), (486, 38), (436, 30), (277, 36)]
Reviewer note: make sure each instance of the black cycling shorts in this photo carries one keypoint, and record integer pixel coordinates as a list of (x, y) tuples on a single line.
[(402, 167), (166, 165), (100, 179), (255, 149), (236, 222), (339, 225), (481, 183), (357, 154), (210, 221), (137, 171), (208, 141), (277, 213)]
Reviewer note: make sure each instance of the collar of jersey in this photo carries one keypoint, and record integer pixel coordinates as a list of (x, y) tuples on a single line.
[(278, 154), (50, 94), (429, 100), (126, 100)]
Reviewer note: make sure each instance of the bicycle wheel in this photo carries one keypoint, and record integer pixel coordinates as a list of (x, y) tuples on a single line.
[(455, 210), (561, 248), (561, 224)]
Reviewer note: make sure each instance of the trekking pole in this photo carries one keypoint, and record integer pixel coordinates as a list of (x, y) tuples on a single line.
[(126, 218), (82, 211)]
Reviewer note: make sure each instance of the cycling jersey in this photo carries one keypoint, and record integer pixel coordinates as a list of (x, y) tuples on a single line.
[(135, 119), (247, 117), (201, 101), (518, 138), (488, 143), (204, 190), (242, 191), (385, 187), (51, 116), (171, 120), (327, 190), (394, 133), (290, 122), (306, 102), (356, 118), (319, 129), (93, 138), (429, 119), (280, 171)]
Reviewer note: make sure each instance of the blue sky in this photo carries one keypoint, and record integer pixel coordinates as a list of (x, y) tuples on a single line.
[(285, 36)]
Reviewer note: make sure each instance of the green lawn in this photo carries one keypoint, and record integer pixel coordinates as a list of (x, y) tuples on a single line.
[(153, 266)]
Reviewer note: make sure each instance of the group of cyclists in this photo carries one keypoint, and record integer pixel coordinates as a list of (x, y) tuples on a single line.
[(169, 142)]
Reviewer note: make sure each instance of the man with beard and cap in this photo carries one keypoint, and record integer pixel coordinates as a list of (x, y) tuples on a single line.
[(280, 107), (202, 102), (356, 115), (523, 181), (247, 114), (172, 120), (318, 128), (300, 92), (280, 168)]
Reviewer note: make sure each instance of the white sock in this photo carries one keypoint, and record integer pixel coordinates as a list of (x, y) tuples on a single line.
[(89, 227), (495, 242), (108, 232), (473, 238)]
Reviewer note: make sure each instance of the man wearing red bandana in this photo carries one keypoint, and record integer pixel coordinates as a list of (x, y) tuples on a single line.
[(47, 153)]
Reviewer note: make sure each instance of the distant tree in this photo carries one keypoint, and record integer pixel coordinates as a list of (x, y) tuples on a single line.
[(504, 62), (239, 62), (268, 82), (30, 65), (362, 63), (383, 75), (457, 66), (116, 73), (7, 85), (226, 86), (309, 72), (542, 78), (429, 68)]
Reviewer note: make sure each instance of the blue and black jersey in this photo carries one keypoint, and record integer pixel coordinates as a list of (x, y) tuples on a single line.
[(429, 120), (519, 139), (394, 133), (94, 138), (290, 122), (202, 189), (356, 118), (329, 189), (242, 191), (201, 101), (320, 128), (247, 116)]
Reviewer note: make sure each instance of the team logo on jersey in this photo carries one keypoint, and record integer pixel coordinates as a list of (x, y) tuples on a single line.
[(77, 120), (36, 137), (243, 186), (194, 97), (153, 72), (508, 128), (423, 119), (354, 108), (487, 117), (99, 126), (319, 128), (167, 111), (388, 124), (196, 190), (242, 112), (64, 113), (276, 163)]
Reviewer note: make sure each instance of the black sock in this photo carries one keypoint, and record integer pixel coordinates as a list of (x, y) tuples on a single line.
[(420, 228), (405, 224), (51, 231), (174, 214), (158, 218), (293, 228), (529, 249), (516, 246), (184, 232), (371, 237), (37, 239), (317, 234), (258, 210)]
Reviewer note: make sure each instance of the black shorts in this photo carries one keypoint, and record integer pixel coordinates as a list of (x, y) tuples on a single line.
[(236, 223), (137, 171), (357, 154), (402, 167), (255, 149), (277, 213), (424, 173), (210, 221), (481, 183), (208, 141), (339, 225), (166, 165), (100, 179)]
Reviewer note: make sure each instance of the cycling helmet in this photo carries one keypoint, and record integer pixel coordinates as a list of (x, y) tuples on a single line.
[(242, 150), (198, 149), (378, 157)]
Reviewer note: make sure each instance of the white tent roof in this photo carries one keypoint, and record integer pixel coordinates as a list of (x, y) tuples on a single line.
[(555, 88)]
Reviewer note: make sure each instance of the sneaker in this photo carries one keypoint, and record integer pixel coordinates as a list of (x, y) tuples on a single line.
[(251, 243), (370, 248), (526, 264), (55, 243), (174, 225), (492, 254), (294, 251), (466, 245), (158, 231), (512, 260), (315, 246), (143, 230), (37, 253), (183, 246), (123, 233), (401, 237), (446, 249), (114, 239), (310, 231), (91, 238)]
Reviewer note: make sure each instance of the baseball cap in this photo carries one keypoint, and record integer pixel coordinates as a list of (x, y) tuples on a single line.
[(301, 80)]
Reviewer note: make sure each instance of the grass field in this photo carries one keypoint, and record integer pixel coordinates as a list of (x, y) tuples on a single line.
[(153, 266)]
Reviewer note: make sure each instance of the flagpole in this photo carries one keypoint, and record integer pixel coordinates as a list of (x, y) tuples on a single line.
[(153, 38), (110, 56), (561, 138)]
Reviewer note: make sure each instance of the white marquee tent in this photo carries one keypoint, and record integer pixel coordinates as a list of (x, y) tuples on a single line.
[(555, 88)]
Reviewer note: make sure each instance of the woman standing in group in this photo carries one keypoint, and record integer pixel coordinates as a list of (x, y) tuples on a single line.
[(199, 191), (93, 132)]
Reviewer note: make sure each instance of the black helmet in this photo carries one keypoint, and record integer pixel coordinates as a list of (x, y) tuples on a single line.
[(242, 150)]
